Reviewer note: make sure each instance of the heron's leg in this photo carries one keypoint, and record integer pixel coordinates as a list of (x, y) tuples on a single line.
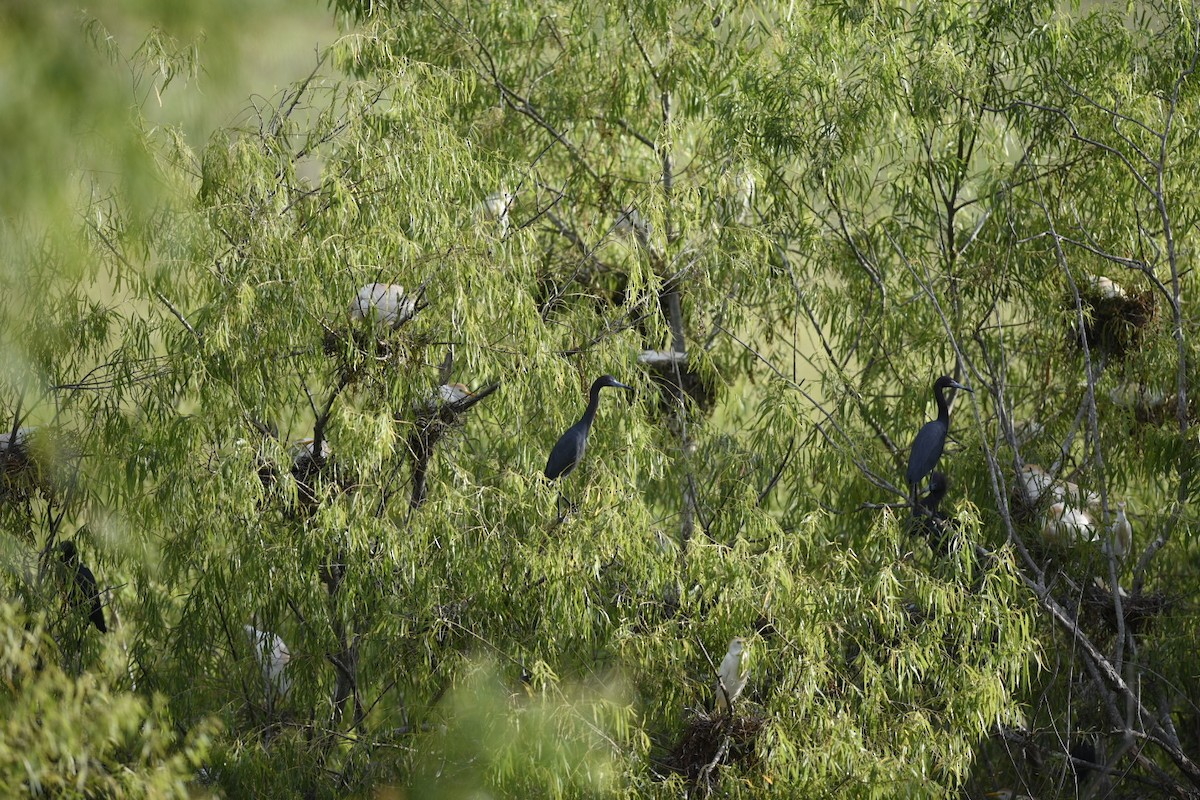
[(571, 506)]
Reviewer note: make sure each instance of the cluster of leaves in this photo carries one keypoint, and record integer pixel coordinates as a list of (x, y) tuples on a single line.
[(779, 224)]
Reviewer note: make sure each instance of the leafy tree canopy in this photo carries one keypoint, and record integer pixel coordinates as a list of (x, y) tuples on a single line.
[(313, 501)]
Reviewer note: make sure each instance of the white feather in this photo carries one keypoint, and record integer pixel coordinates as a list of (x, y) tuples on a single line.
[(273, 657), (732, 675), (382, 303)]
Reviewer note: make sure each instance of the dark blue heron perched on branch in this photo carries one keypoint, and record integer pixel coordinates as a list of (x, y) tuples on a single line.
[(569, 449), (83, 589), (931, 439)]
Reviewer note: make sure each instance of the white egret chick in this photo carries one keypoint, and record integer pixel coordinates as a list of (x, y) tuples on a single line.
[(1106, 287), (496, 207), (1120, 534), (1067, 526), (383, 304), (273, 657), (733, 674), (632, 223)]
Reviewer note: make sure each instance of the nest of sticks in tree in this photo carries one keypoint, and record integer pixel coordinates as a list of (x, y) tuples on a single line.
[(1115, 321), (308, 470), (435, 416), (711, 741), (678, 381), (17, 467), (1139, 610), (33, 460), (1150, 406)]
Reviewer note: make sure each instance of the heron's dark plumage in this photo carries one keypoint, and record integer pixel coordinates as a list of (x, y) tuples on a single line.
[(931, 439), (84, 589), (569, 449)]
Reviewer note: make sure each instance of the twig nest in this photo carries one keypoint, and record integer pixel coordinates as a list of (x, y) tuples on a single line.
[(15, 456), (1150, 406), (1115, 318), (32, 459), (710, 741), (382, 304), (1138, 610), (672, 371)]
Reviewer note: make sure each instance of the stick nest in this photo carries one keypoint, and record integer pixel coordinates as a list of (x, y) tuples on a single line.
[(710, 741), (1114, 321), (1139, 610)]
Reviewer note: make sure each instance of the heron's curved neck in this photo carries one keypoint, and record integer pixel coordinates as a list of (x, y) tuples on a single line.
[(943, 407), (593, 405)]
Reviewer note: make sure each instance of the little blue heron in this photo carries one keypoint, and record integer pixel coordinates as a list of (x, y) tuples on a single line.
[(83, 589), (569, 449), (931, 439), (1083, 758), (733, 674)]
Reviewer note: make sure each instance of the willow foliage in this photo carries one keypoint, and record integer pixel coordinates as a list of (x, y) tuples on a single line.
[(780, 224)]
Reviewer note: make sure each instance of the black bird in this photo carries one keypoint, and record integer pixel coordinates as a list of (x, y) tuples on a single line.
[(1083, 750), (931, 439), (929, 520), (84, 589), (569, 449)]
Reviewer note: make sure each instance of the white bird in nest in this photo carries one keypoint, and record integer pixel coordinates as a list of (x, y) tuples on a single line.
[(1067, 526), (273, 656), (384, 304), (1038, 483), (1106, 287), (1120, 535), (302, 450), (7, 440), (445, 394), (733, 674), (495, 207)]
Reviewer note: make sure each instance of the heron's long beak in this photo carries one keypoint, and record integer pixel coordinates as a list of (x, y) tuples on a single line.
[(958, 385), (619, 385)]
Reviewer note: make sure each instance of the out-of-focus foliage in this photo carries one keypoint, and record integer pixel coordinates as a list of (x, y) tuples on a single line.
[(81, 732), (779, 223)]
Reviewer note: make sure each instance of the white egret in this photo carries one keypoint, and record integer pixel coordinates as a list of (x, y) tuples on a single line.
[(733, 674), (384, 304), (273, 656), (1120, 540)]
